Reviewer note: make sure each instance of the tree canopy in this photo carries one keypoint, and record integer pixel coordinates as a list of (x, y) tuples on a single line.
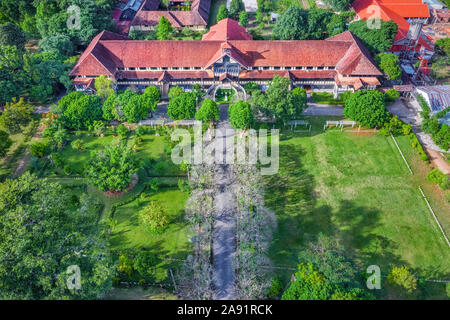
[(182, 106), (368, 108), (377, 40), (16, 115), (43, 234), (208, 111), (223, 13), (314, 24), (80, 110), (12, 35), (112, 168), (241, 115), (279, 101), (164, 29)]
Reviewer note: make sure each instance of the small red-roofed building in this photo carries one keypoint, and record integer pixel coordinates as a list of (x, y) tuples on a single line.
[(227, 56)]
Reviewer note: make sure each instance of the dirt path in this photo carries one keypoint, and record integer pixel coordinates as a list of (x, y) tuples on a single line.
[(224, 227)]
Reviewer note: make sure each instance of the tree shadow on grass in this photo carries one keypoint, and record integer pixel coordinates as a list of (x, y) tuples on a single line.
[(301, 218)]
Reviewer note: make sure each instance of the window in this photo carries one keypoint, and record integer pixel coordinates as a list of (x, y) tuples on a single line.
[(287, 68), (175, 68), (266, 68), (309, 68), (131, 69), (142, 68), (319, 68), (153, 68), (186, 68), (164, 68), (276, 68), (197, 68)]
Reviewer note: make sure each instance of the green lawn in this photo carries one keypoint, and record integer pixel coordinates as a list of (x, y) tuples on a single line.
[(325, 98), (358, 189), (173, 243), (17, 150)]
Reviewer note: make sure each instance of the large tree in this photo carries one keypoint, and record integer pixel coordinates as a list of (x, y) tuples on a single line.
[(223, 13), (104, 87), (368, 108), (376, 38), (182, 106), (12, 35), (113, 168), (279, 101), (314, 24), (241, 115), (42, 234), (208, 111), (236, 6), (60, 43), (82, 111)]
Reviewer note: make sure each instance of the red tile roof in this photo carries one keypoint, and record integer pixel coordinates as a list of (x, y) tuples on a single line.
[(108, 52), (227, 29)]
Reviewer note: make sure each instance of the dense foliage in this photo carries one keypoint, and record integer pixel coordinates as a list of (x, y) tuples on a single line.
[(388, 62), (279, 101), (208, 111), (16, 116), (241, 115), (42, 234), (368, 108), (314, 24), (375, 39), (182, 106), (112, 168), (5, 143)]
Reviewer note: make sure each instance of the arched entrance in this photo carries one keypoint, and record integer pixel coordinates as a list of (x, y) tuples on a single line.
[(227, 85)]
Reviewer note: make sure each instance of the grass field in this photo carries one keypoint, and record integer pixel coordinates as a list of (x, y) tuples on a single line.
[(358, 189), (16, 151), (172, 243), (325, 98)]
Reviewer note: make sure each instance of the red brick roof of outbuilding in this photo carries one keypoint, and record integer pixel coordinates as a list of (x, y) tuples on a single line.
[(227, 29)]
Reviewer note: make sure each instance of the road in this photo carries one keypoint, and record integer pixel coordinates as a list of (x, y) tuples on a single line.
[(224, 227)]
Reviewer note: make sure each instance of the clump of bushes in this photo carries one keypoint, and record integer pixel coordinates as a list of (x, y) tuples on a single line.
[(439, 132), (154, 218), (391, 95), (439, 178), (396, 127), (415, 143)]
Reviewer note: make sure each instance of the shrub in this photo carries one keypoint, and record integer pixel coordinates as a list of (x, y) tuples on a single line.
[(425, 113), (402, 277), (155, 183), (430, 125), (77, 144), (39, 149), (126, 265), (275, 288), (122, 131), (439, 178), (140, 131), (154, 217), (144, 263), (183, 185)]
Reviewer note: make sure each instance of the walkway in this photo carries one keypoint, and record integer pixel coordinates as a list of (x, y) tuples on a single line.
[(224, 228)]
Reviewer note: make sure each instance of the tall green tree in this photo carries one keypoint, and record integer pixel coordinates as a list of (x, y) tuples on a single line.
[(60, 43), (164, 29), (223, 13), (42, 235), (82, 111), (279, 101), (368, 108), (208, 112), (182, 106), (241, 115), (236, 6), (243, 18)]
